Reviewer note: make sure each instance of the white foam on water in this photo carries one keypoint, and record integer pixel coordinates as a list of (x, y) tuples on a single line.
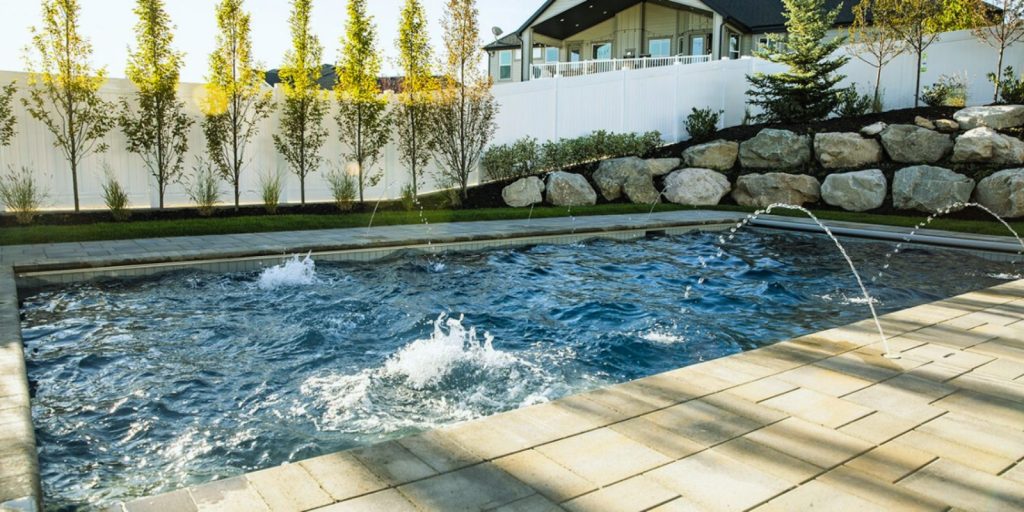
[(424, 363), (662, 337), (844, 299), (1006, 276), (294, 272)]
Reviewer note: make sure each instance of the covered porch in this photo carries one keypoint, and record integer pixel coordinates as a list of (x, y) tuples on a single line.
[(573, 37)]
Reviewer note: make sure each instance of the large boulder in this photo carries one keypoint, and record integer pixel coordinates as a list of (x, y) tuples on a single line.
[(1003, 193), (761, 190), (696, 187), (719, 155), (873, 130), (915, 145), (846, 150), (776, 149), (524, 192), (640, 189), (612, 174), (566, 189), (930, 189), (662, 166), (858, 191), (987, 146), (947, 125), (997, 117)]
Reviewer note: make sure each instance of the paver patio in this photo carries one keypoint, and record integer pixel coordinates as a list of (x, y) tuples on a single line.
[(818, 422)]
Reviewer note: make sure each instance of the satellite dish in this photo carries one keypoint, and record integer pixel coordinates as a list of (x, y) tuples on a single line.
[(497, 31)]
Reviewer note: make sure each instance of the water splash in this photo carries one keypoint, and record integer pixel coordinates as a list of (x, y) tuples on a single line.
[(424, 363), (842, 250), (294, 272), (941, 213), (377, 205)]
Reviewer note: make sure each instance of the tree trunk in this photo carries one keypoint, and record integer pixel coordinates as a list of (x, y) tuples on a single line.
[(302, 188), (917, 88), (74, 182), (877, 107), (999, 75)]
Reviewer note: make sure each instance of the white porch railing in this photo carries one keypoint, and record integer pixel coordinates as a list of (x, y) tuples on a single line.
[(591, 67)]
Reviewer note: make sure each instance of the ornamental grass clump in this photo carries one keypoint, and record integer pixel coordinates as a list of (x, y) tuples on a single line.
[(22, 194), (271, 185), (204, 189), (343, 189), (116, 198)]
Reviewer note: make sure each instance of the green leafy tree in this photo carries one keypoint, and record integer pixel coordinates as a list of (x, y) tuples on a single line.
[(302, 132), (916, 22), (363, 119), (1003, 32), (412, 121), (64, 87), (958, 15), (236, 101), (156, 126), (7, 119), (807, 90), (463, 120), (874, 45)]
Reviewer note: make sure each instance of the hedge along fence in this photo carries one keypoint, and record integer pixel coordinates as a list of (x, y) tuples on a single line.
[(527, 156)]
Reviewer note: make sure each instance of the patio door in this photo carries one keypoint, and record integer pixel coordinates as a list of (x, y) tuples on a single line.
[(603, 50), (699, 44), (575, 52)]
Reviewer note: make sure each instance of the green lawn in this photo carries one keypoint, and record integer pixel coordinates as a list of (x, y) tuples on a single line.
[(260, 224)]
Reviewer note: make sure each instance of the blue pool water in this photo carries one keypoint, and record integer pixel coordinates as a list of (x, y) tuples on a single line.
[(145, 386)]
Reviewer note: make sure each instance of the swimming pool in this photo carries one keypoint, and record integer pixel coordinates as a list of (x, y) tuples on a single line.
[(143, 386)]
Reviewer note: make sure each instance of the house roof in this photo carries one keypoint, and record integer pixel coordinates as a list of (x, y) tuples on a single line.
[(510, 41), (329, 77), (750, 15)]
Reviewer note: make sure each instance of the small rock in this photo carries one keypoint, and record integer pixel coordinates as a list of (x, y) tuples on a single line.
[(566, 189), (997, 117), (524, 192), (719, 155), (924, 123), (846, 150), (873, 130), (858, 191), (762, 190), (776, 150), (930, 189), (947, 126), (987, 146), (1003, 193), (612, 174), (696, 187), (915, 145), (640, 189), (662, 166)]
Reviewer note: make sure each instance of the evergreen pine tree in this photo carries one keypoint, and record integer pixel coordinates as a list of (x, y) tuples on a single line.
[(807, 90)]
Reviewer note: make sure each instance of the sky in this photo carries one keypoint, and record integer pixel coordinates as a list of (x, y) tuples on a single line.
[(109, 26)]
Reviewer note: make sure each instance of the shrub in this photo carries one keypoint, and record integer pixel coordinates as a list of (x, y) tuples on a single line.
[(1011, 88), (510, 161), (408, 198), (947, 91), (270, 191), (22, 194), (850, 103), (702, 124), (204, 189), (116, 198), (343, 189)]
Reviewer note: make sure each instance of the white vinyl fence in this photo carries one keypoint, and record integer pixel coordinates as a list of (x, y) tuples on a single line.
[(633, 100)]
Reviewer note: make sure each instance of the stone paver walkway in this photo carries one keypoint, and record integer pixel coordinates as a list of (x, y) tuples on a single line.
[(821, 422)]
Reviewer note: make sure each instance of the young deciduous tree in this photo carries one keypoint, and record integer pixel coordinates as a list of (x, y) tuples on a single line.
[(7, 119), (64, 87), (958, 15), (807, 90), (418, 88), (1005, 32), (363, 118), (876, 46), (235, 102), (157, 126), (916, 22), (463, 120), (305, 103)]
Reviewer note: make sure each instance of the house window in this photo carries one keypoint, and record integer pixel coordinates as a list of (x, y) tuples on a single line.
[(505, 65), (699, 44), (659, 47), (734, 46), (519, 55), (772, 42), (537, 52), (551, 54), (602, 51), (575, 54)]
